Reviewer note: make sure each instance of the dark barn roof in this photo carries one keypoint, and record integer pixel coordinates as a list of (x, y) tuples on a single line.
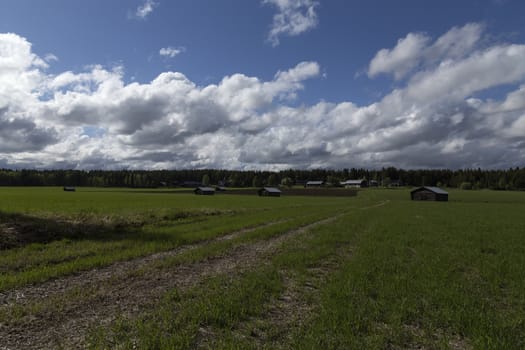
[(433, 189), (204, 190), (314, 183), (360, 183), (429, 193), (269, 191)]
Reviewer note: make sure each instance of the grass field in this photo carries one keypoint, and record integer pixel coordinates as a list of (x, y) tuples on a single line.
[(120, 268)]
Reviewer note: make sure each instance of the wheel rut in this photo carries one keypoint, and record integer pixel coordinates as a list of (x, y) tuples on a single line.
[(75, 304)]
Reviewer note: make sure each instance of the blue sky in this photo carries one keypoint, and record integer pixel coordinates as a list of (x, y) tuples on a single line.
[(262, 84)]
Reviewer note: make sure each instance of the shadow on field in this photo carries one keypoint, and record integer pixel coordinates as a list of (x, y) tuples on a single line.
[(17, 230)]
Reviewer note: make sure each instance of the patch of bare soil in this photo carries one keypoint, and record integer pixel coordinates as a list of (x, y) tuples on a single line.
[(454, 342), (97, 297), (17, 230), (18, 233)]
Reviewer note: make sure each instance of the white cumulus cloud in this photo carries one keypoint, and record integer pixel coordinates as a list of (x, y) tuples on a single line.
[(293, 18), (145, 9), (402, 58), (416, 50), (171, 52), (434, 118)]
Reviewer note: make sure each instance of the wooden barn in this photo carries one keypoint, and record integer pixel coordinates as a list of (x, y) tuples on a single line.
[(354, 183), (269, 191), (428, 193), (204, 191)]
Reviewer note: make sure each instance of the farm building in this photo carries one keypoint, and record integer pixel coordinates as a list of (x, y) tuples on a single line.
[(300, 182), (314, 183), (355, 183), (204, 191), (428, 193), (395, 183), (269, 191)]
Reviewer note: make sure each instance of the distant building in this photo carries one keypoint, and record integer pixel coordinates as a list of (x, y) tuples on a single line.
[(355, 183), (220, 189), (269, 191), (314, 183), (428, 193), (204, 191), (300, 182), (69, 189), (373, 183), (395, 183)]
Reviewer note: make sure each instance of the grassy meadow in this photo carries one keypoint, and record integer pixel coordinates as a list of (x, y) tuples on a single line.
[(374, 271)]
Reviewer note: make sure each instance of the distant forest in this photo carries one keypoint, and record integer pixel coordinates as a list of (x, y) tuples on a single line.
[(511, 179)]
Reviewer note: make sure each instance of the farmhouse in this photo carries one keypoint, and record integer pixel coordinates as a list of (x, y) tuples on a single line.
[(269, 191), (428, 193), (314, 183), (204, 191)]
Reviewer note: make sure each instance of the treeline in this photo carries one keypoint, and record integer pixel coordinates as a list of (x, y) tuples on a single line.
[(510, 179)]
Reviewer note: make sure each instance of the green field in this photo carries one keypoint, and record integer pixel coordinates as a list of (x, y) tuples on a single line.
[(158, 269)]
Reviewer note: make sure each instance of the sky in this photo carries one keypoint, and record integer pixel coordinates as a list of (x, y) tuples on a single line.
[(262, 84)]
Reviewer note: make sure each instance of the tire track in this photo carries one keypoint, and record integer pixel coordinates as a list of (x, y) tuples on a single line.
[(110, 292), (380, 204), (83, 279)]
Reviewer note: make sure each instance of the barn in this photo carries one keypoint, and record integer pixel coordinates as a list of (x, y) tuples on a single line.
[(428, 193), (354, 183), (204, 191), (269, 191)]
